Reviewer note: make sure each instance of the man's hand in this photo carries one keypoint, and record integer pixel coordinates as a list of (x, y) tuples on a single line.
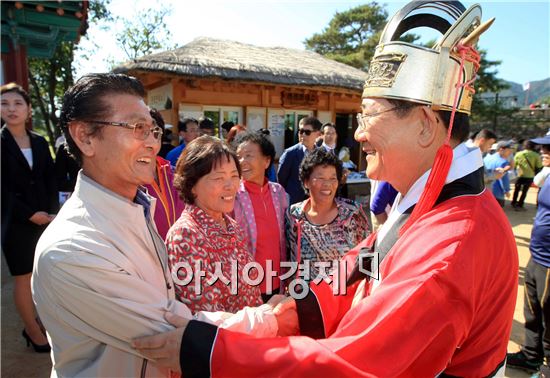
[(499, 172), (287, 317), (40, 218), (164, 348)]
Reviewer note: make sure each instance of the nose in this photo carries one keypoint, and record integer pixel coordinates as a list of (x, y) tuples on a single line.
[(360, 134)]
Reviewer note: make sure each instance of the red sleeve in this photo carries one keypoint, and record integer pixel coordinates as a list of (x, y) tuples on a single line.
[(324, 306), (410, 325)]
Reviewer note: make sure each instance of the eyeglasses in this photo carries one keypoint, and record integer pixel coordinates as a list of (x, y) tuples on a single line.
[(305, 131), (141, 129), (320, 181), (362, 119)]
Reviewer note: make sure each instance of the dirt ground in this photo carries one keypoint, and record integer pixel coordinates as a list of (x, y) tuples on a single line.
[(18, 361)]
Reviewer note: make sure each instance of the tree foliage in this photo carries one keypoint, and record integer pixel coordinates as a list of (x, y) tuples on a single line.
[(50, 78), (487, 111), (146, 33), (351, 36)]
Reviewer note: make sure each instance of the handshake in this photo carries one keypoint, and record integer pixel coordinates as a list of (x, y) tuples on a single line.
[(164, 348), (284, 309)]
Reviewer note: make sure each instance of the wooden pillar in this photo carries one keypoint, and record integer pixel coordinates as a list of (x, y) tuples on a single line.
[(16, 69), (16, 66)]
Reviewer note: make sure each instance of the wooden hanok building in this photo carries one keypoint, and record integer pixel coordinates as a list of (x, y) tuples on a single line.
[(260, 87)]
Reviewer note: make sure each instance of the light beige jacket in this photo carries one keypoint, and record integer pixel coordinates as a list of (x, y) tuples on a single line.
[(101, 279)]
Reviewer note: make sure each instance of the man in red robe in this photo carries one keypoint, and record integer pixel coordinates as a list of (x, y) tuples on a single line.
[(442, 300)]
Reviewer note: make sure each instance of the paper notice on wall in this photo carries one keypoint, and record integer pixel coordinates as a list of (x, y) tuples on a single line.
[(277, 125)]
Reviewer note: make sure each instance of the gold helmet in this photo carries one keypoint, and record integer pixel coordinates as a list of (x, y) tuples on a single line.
[(437, 76)]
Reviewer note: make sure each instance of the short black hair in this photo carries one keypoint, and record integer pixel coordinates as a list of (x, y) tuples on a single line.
[(313, 122), (485, 134), (206, 123), (461, 125), (227, 125), (155, 114), (197, 160), (323, 158), (266, 146), (182, 125), (85, 101)]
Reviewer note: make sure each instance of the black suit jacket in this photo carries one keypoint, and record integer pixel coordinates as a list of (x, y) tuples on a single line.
[(288, 174), (25, 190)]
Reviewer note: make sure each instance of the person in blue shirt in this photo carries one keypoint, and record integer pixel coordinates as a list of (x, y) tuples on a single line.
[(188, 129), (497, 166), (536, 308)]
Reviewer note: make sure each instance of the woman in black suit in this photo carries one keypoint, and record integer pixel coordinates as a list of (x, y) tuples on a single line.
[(29, 198)]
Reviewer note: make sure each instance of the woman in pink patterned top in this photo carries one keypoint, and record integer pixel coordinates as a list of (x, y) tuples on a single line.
[(204, 239)]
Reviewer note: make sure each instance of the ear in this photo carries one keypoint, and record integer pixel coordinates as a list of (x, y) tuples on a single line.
[(430, 126), (267, 162), (80, 132)]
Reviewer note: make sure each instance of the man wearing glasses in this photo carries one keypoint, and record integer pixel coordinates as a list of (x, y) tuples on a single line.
[(101, 273), (309, 129)]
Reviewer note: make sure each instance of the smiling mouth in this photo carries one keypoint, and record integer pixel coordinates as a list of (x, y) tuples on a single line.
[(368, 149), (144, 160)]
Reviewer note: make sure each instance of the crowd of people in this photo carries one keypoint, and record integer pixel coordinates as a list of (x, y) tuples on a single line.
[(210, 259)]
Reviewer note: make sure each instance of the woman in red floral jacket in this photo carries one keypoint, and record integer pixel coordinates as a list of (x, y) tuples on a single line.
[(204, 240)]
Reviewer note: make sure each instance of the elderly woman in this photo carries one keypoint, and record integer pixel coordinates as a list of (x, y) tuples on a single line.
[(260, 206), (204, 239), (322, 228)]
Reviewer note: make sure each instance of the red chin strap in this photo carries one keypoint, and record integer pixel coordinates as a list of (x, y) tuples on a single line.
[(444, 156)]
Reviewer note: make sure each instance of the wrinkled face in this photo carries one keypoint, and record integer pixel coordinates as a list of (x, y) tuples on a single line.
[(329, 135), (122, 161), (387, 140), (192, 132), (304, 138), (14, 108), (253, 162), (215, 192), (323, 183)]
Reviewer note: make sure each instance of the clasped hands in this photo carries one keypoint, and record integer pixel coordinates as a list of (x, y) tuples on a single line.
[(164, 348)]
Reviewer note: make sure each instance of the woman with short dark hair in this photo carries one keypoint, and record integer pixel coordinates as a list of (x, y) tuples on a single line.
[(205, 238), (323, 228), (260, 206)]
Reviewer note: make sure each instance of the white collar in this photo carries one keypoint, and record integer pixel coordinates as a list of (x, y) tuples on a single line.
[(327, 147), (465, 161)]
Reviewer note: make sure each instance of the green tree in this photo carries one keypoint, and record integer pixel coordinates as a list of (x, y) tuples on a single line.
[(351, 36), (488, 110), (50, 78), (146, 33)]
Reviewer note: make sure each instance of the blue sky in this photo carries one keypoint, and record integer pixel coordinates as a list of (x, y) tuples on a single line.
[(519, 37)]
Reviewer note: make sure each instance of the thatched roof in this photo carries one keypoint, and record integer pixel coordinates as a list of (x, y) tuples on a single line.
[(208, 57)]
